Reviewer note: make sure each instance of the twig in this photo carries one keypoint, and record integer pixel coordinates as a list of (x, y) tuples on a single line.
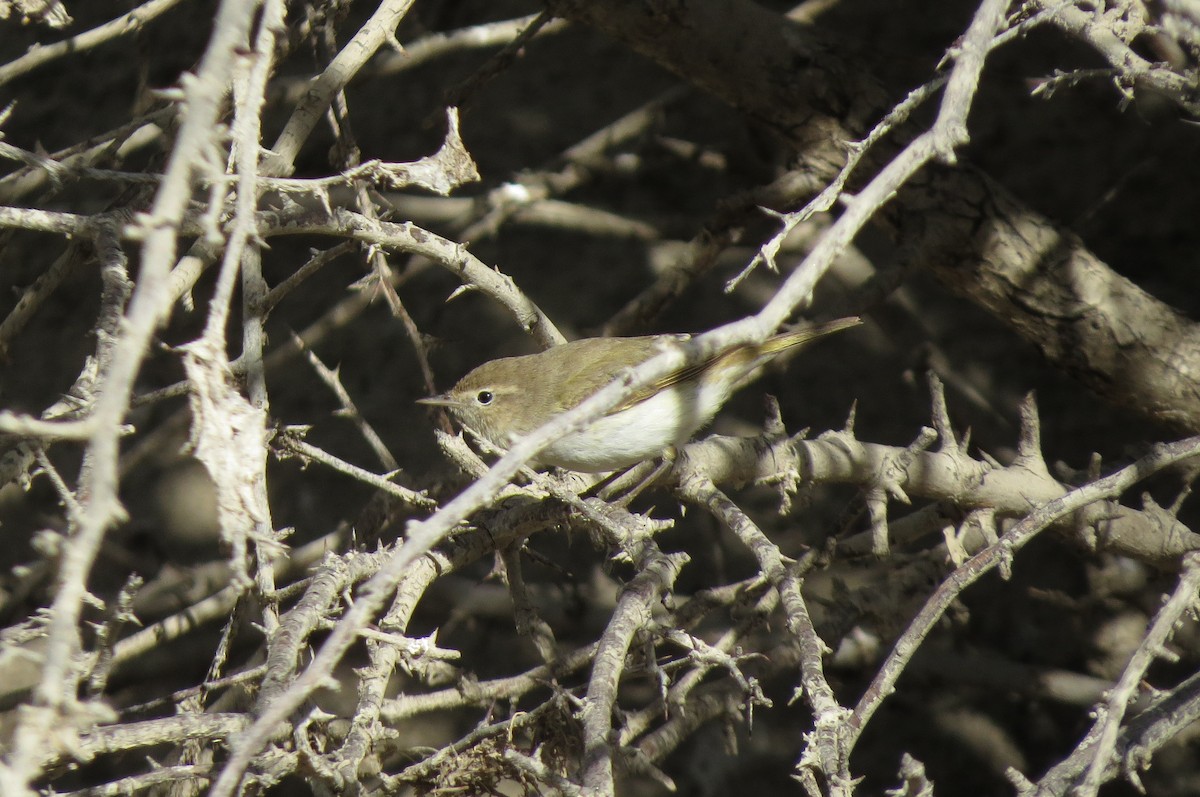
[(36, 294), (488, 34), (377, 31), (827, 754), (483, 693), (994, 555), (1173, 712), (333, 381), (543, 773), (407, 237), (1113, 45), (315, 263), (405, 572), (1101, 741), (529, 623), (429, 767), (461, 94), (290, 442), (54, 695), (631, 613), (195, 774), (215, 605), (70, 160), (129, 22), (947, 133)]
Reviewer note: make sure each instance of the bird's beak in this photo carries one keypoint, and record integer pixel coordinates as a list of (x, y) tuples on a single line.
[(441, 400)]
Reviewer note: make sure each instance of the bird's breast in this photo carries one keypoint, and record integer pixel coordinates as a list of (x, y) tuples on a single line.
[(636, 433)]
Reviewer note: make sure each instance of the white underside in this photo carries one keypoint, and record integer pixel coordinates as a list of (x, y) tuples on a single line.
[(641, 432)]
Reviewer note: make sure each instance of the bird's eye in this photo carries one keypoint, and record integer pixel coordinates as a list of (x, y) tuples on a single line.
[(484, 397)]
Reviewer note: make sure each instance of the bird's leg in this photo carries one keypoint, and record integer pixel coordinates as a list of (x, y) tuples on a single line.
[(629, 476)]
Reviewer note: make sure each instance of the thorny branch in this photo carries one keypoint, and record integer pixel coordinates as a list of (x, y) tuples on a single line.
[(667, 643)]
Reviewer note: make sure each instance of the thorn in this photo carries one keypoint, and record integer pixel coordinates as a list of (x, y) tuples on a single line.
[(1029, 442), (459, 291), (939, 412)]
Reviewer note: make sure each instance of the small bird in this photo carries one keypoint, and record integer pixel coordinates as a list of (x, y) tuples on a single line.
[(507, 398)]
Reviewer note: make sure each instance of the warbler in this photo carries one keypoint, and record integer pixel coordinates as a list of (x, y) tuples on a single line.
[(507, 398)]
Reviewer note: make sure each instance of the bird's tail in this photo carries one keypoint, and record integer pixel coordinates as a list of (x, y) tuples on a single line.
[(807, 333)]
